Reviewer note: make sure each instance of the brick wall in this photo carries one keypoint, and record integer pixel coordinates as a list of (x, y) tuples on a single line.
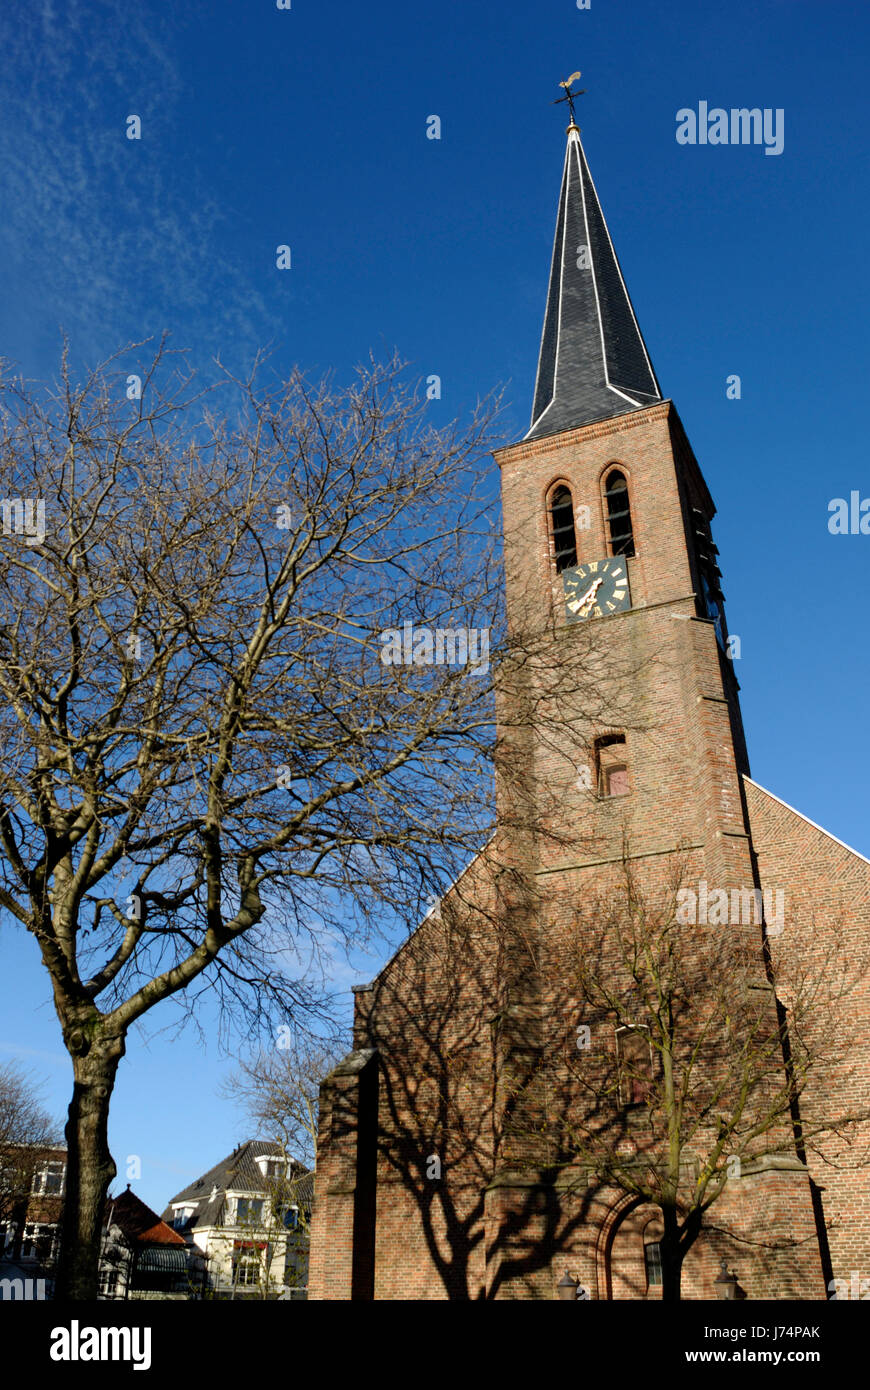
[(469, 1024), (824, 948)]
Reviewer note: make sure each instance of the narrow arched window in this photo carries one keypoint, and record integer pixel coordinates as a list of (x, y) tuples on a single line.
[(611, 766), (562, 528), (634, 1056), (652, 1258), (620, 534)]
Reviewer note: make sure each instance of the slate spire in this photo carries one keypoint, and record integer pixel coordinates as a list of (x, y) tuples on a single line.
[(593, 361)]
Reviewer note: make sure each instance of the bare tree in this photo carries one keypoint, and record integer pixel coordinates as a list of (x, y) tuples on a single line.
[(280, 1091), (226, 744), (26, 1130)]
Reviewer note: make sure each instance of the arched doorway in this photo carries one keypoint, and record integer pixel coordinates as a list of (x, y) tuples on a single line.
[(629, 1265)]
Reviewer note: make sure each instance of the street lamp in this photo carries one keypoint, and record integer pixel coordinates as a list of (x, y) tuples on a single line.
[(725, 1284), (567, 1287)]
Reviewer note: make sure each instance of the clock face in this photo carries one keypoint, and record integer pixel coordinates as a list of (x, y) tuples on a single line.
[(596, 589)]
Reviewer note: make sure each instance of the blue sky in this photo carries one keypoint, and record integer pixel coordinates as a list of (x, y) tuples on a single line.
[(308, 127)]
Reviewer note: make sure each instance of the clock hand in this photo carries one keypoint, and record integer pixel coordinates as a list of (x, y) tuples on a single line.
[(589, 596)]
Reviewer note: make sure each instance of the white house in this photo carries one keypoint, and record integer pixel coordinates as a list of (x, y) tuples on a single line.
[(249, 1217)]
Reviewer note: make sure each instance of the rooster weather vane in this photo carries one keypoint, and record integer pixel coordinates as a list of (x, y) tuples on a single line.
[(569, 95)]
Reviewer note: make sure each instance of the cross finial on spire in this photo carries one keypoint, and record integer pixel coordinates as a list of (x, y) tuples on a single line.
[(570, 96)]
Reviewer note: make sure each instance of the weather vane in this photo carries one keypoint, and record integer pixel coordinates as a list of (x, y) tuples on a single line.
[(569, 95)]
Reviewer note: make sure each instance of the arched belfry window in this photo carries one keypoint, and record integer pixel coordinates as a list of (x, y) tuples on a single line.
[(562, 528), (620, 533)]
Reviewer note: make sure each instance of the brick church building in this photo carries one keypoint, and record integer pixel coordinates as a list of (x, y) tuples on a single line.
[(582, 1041)]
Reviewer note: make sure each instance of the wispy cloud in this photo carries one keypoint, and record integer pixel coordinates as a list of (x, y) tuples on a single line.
[(113, 236)]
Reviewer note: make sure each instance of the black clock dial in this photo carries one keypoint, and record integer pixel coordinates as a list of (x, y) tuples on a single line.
[(596, 589)]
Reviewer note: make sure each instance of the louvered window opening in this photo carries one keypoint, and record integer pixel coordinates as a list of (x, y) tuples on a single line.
[(619, 524), (562, 522), (707, 553)]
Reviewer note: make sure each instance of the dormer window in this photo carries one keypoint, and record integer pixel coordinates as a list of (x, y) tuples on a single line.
[(564, 539), (272, 1167), (620, 533), (249, 1211)]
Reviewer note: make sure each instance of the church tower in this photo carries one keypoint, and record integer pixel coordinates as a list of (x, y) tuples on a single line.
[(637, 756), (607, 516), (442, 1172)]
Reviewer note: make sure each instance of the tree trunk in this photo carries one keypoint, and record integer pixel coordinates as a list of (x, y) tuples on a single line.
[(90, 1167), (672, 1257)]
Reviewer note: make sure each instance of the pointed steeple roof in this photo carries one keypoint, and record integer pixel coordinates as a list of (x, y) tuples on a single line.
[(593, 361)]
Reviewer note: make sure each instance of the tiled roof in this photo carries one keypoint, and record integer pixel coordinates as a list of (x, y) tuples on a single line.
[(139, 1223), (593, 361), (237, 1171), (304, 1190)]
